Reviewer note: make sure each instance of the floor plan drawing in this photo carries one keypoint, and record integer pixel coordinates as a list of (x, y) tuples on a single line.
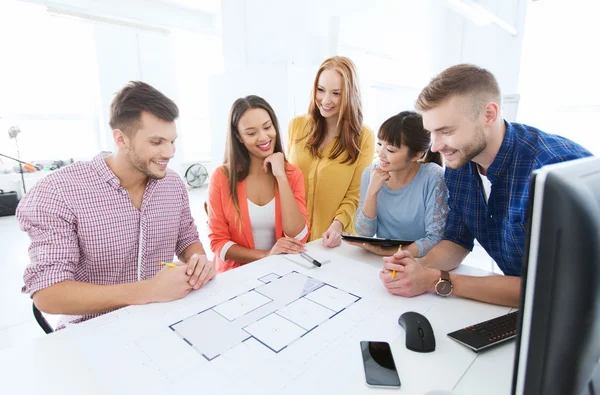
[(276, 314)]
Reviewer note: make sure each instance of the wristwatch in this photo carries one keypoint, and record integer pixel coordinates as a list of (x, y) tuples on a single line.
[(444, 286)]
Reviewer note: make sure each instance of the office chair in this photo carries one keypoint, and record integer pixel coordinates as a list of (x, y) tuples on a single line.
[(39, 317)]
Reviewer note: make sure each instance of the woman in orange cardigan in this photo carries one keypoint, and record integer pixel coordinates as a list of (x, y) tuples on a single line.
[(256, 202)]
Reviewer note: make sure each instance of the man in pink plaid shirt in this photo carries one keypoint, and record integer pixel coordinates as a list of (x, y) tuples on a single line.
[(99, 229)]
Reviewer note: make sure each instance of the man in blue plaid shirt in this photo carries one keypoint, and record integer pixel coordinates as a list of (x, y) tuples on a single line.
[(488, 168)]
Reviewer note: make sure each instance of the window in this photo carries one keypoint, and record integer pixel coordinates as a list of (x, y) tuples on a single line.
[(558, 81), (52, 68), (49, 84)]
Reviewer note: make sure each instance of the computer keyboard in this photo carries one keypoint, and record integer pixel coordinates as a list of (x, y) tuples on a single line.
[(488, 333)]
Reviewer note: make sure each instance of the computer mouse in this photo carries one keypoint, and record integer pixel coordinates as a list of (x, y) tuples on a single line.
[(419, 334)]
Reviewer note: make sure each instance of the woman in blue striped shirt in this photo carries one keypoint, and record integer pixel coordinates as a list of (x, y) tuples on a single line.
[(403, 196)]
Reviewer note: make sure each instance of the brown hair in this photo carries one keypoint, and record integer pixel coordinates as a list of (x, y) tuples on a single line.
[(350, 119), (237, 157), (128, 104), (407, 128), (460, 80)]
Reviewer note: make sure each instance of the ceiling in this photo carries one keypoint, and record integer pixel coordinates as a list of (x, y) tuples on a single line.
[(208, 6)]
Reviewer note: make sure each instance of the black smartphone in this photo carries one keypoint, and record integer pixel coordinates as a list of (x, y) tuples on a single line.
[(380, 369)]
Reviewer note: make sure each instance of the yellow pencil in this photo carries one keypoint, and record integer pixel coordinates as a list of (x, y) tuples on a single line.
[(393, 271), (167, 264)]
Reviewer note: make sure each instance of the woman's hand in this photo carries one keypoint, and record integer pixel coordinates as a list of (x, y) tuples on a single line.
[(333, 236), (277, 161), (287, 245), (378, 178)]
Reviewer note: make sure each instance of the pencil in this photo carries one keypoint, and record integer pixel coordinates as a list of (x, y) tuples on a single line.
[(171, 265), (393, 271)]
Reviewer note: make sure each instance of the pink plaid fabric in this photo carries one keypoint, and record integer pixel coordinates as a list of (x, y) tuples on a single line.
[(83, 227)]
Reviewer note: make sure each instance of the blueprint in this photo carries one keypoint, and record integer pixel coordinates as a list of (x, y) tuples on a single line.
[(276, 314)]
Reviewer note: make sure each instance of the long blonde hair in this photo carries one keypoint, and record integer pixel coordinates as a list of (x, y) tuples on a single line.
[(350, 119)]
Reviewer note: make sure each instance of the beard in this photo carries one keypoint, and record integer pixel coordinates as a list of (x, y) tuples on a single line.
[(470, 151), (142, 166)]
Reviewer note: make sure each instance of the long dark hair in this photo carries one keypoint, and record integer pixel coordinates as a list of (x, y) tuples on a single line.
[(407, 128), (350, 119), (237, 158)]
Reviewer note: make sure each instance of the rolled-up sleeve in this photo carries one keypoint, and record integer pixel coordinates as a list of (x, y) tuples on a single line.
[(436, 214), (296, 179), (364, 225), (218, 220), (456, 231), (51, 226), (188, 232)]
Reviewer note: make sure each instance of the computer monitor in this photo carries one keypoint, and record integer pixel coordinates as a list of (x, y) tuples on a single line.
[(558, 342)]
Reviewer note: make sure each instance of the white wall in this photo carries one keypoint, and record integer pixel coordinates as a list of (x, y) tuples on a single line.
[(126, 54), (267, 47), (273, 48), (400, 46), (494, 48)]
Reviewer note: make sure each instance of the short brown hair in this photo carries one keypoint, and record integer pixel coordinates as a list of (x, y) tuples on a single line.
[(460, 80), (128, 104)]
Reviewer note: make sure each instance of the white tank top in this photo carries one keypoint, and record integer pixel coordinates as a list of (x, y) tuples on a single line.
[(262, 219)]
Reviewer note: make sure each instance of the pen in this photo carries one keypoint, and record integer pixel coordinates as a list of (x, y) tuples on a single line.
[(167, 264), (310, 259), (393, 271)]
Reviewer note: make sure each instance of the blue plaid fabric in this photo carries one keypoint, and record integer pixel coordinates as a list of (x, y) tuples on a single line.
[(499, 225)]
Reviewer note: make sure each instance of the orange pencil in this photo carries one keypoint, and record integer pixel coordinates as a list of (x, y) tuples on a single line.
[(171, 265), (393, 271)]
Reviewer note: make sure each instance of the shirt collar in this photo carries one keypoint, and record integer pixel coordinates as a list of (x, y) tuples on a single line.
[(106, 174), (502, 159)]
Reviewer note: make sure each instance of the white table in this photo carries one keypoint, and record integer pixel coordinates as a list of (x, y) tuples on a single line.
[(132, 350)]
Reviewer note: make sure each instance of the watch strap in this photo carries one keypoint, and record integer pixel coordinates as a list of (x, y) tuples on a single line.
[(445, 276)]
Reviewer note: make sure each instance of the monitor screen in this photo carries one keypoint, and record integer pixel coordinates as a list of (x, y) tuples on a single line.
[(558, 342)]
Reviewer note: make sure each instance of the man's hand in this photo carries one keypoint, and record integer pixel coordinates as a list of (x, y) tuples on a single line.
[(411, 278), (277, 161), (287, 245), (377, 179), (169, 284), (200, 270), (375, 249), (333, 236)]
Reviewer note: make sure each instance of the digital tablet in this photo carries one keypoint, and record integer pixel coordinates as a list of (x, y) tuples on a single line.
[(377, 241)]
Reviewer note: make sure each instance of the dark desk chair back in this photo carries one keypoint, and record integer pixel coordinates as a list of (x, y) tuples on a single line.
[(41, 320)]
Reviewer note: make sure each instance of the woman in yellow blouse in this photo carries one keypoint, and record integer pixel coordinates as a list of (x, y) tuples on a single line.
[(332, 148)]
